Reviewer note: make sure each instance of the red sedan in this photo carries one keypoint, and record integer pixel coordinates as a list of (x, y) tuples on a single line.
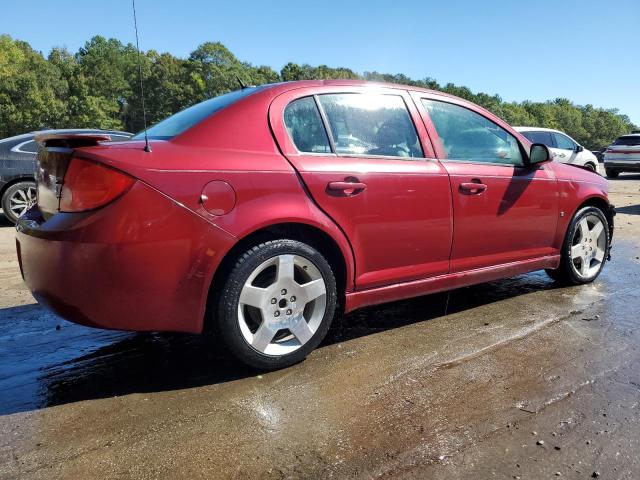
[(263, 212)]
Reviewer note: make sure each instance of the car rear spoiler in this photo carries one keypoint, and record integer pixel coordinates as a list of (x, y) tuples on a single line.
[(70, 140)]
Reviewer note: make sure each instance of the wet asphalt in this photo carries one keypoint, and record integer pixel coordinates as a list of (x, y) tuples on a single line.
[(518, 378)]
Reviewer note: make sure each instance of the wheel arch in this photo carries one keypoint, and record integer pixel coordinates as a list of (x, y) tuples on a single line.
[(592, 162), (602, 204), (310, 234)]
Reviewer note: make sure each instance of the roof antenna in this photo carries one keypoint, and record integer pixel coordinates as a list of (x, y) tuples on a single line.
[(242, 84), (147, 148)]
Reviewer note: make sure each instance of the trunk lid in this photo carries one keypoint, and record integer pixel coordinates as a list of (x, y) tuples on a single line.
[(52, 162)]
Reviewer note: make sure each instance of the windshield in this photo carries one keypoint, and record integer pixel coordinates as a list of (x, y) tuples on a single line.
[(187, 118), (629, 141)]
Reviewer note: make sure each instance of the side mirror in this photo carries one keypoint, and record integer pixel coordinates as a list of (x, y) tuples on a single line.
[(579, 148), (538, 154)]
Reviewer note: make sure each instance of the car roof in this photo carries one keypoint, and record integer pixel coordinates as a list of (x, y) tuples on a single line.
[(630, 135), (295, 84), (537, 129)]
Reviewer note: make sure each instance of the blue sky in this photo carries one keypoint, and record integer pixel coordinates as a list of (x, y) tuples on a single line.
[(583, 50)]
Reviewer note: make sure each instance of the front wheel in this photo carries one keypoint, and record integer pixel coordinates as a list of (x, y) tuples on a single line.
[(591, 167), (585, 247), (17, 199), (277, 304)]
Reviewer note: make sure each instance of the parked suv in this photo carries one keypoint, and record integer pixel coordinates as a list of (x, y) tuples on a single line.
[(623, 155), (261, 213), (564, 149), (17, 167)]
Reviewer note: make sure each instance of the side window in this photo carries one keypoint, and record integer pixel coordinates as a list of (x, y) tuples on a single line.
[(305, 127), (371, 124), (26, 147), (564, 142), (467, 135), (539, 137)]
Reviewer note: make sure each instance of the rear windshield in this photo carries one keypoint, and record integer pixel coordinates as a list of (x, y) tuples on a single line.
[(630, 141), (187, 118)]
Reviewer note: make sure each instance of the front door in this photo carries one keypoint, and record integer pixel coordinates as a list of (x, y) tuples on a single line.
[(362, 158), (564, 150), (504, 211)]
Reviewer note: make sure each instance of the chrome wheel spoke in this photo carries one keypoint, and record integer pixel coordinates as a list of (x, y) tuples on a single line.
[(312, 290), (285, 268), (263, 336), (599, 254), (300, 329), (254, 296), (584, 266), (577, 250), (22, 195), (584, 228), (597, 230)]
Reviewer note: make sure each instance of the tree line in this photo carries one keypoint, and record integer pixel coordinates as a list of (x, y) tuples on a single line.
[(98, 87)]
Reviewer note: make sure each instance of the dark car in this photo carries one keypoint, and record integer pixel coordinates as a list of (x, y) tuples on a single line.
[(17, 166)]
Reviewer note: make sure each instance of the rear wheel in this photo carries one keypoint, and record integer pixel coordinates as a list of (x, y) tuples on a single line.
[(591, 167), (276, 304), (585, 248), (612, 173), (17, 199)]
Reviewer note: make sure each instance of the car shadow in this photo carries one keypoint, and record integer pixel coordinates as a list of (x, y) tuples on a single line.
[(625, 176), (629, 210), (520, 181), (48, 361), (4, 221)]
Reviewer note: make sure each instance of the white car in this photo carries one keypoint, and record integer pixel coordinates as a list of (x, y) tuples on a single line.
[(623, 155), (563, 148)]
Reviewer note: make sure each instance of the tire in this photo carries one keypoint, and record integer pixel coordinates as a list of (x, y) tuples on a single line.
[(612, 173), (277, 304), (17, 199), (585, 248), (591, 167)]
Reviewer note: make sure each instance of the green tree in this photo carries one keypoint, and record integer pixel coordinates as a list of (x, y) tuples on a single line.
[(99, 87), (32, 91)]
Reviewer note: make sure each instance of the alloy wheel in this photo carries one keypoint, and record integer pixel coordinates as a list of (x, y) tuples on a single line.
[(588, 249), (282, 304), (22, 200)]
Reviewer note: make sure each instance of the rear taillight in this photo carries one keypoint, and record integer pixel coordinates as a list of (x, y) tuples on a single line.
[(89, 185)]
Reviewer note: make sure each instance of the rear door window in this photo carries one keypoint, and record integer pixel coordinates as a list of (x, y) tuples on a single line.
[(305, 127), (371, 125), (468, 136), (539, 137), (630, 141)]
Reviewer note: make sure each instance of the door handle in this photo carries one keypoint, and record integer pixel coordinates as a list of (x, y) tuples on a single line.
[(472, 188), (347, 187)]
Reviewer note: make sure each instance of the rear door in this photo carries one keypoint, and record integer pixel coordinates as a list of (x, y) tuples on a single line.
[(369, 166), (503, 211)]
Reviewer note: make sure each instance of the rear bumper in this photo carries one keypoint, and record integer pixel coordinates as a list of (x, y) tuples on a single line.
[(626, 165), (142, 263)]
